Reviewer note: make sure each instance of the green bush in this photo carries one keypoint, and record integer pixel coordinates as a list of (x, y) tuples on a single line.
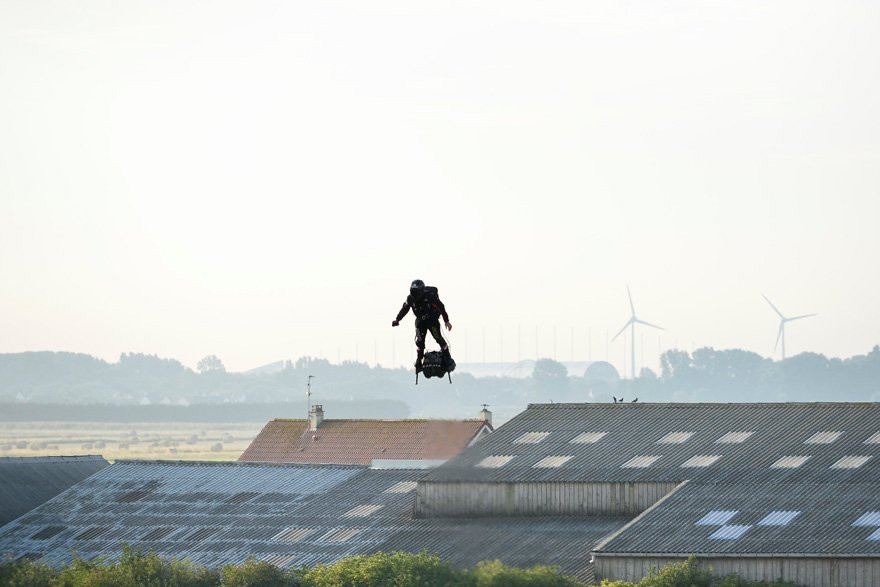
[(495, 574), (26, 573), (253, 573), (399, 569), (135, 568)]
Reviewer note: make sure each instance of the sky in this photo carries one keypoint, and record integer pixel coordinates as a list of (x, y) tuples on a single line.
[(262, 180)]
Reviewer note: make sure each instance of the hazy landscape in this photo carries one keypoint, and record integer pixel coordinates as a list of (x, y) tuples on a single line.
[(135, 440), (645, 234), (65, 403)]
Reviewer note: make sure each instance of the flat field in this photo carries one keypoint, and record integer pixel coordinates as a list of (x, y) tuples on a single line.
[(148, 440)]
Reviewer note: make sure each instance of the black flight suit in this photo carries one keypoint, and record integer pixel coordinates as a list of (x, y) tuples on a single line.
[(427, 309)]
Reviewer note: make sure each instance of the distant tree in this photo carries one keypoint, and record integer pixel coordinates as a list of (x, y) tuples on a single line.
[(211, 364), (675, 364), (550, 374), (647, 374)]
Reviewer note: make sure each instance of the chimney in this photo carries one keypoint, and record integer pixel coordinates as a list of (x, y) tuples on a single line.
[(316, 416), (486, 415)]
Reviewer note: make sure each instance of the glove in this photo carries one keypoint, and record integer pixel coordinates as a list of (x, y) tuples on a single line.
[(395, 323)]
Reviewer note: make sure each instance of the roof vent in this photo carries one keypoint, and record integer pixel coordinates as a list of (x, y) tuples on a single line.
[(316, 417), (486, 415)]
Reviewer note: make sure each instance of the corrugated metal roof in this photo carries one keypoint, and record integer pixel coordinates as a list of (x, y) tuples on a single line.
[(211, 512), (361, 441), (828, 519), (218, 513), (520, 542), (747, 440), (26, 482)]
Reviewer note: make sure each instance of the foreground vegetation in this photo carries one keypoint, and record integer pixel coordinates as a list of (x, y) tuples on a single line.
[(400, 569)]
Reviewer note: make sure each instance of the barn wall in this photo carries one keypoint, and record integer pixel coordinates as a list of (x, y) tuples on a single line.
[(444, 499), (807, 571)]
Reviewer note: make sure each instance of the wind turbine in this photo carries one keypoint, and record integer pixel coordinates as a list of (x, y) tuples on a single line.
[(782, 321), (631, 324)]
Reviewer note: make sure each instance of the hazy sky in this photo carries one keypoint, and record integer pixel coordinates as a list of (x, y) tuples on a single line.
[(262, 180)]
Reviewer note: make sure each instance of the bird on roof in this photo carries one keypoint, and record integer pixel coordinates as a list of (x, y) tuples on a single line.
[(614, 398), (635, 400)]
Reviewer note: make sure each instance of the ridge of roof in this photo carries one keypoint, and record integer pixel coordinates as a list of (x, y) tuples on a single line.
[(304, 420), (52, 459), (241, 464), (642, 405)]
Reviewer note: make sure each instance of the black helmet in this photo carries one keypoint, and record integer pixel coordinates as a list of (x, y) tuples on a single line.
[(417, 287)]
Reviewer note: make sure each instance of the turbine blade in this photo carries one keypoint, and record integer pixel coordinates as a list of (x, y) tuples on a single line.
[(625, 326), (649, 324), (631, 306), (772, 306), (779, 335), (799, 317)]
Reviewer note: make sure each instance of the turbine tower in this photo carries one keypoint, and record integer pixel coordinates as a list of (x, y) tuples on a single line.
[(631, 324), (782, 321)]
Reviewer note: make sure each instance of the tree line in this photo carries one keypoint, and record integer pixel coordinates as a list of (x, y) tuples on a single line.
[(399, 569), (707, 374)]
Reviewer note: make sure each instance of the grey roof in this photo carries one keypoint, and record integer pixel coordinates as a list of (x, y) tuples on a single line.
[(768, 519), (520, 542), (218, 513), (777, 430), (26, 482)]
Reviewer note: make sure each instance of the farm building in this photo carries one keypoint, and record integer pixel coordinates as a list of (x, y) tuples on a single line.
[(407, 443), (219, 513), (769, 491), (722, 481), (807, 533), (26, 482)]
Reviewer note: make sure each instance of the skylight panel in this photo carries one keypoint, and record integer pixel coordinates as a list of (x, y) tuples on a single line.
[(779, 518), (716, 518), (48, 532), (868, 519), (362, 511), (851, 462), (640, 462), (729, 532), (402, 487), (495, 461), (242, 497), (531, 438), (734, 438), (292, 534), (701, 461), (552, 462), (791, 462), (158, 533), (875, 535), (91, 533), (341, 535), (873, 439), (201, 534), (675, 438), (826, 437), (588, 438)]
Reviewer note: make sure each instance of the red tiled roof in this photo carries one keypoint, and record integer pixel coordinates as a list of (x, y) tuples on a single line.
[(358, 442)]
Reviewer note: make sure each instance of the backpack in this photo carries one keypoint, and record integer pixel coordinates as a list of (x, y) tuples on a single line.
[(433, 364)]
